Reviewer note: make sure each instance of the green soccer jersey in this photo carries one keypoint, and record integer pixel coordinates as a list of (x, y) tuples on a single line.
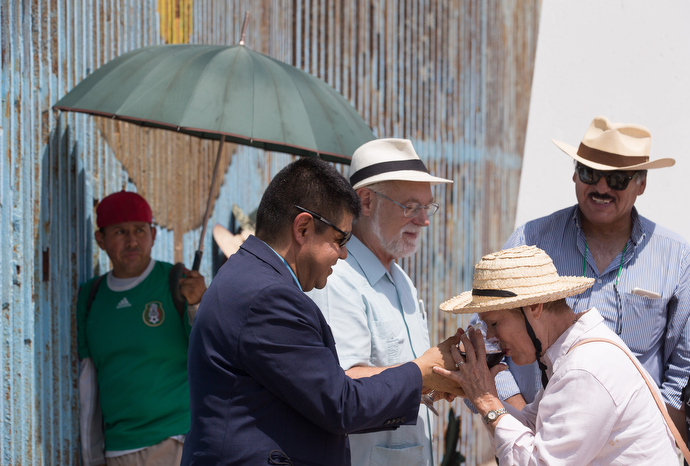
[(138, 344)]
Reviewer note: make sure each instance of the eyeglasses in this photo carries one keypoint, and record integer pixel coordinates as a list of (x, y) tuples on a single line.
[(412, 210), (346, 235), (614, 179)]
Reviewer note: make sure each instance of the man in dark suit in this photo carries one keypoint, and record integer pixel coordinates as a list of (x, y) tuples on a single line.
[(265, 383)]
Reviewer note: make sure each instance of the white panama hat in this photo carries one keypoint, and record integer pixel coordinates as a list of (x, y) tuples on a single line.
[(388, 160)]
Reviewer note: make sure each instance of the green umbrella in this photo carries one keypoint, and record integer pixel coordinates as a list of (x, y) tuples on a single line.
[(212, 90), (223, 92)]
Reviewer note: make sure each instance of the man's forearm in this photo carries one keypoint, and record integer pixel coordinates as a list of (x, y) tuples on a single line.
[(516, 401), (357, 372)]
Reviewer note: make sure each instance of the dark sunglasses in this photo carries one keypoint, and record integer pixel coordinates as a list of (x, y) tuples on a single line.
[(346, 235), (614, 179)]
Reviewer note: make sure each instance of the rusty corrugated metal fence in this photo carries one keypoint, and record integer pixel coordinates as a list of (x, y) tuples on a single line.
[(453, 76)]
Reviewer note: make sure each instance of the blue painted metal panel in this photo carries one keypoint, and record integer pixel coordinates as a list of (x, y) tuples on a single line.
[(454, 77)]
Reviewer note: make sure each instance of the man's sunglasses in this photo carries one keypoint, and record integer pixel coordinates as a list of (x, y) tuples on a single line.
[(614, 179), (346, 235)]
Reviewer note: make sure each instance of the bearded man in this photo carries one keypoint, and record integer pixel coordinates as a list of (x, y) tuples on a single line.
[(371, 304)]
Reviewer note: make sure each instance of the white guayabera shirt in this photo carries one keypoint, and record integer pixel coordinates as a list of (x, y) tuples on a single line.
[(378, 320)]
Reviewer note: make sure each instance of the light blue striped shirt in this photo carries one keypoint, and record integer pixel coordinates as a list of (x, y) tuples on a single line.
[(655, 329)]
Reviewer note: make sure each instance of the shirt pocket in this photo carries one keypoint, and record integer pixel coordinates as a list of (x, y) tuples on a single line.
[(644, 321), (390, 337), (424, 330)]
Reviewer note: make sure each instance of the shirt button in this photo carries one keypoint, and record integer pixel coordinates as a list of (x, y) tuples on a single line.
[(599, 280)]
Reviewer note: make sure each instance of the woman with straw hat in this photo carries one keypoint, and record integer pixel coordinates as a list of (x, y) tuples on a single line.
[(594, 406)]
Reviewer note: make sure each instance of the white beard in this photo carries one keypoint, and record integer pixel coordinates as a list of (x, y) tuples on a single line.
[(397, 246)]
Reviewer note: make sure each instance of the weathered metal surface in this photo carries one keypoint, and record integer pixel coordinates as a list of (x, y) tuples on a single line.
[(452, 75), (187, 164)]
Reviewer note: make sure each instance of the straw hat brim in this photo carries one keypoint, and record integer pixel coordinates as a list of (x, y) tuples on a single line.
[(572, 151), (465, 303)]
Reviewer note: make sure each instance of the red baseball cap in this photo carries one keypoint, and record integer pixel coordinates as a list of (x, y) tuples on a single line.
[(123, 206)]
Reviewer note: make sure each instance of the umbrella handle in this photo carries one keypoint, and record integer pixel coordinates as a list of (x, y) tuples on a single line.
[(197, 260), (176, 273)]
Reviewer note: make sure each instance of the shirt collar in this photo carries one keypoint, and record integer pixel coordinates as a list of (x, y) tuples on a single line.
[(636, 235), (286, 265), (572, 335), (126, 284), (370, 265)]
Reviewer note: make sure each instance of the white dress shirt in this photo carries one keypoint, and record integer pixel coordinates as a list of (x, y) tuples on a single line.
[(596, 409)]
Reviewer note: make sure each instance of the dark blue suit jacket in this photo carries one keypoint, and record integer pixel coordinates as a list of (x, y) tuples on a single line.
[(264, 374)]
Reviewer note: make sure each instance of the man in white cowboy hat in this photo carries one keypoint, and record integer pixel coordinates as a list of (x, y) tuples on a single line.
[(641, 270), (370, 303), (595, 407)]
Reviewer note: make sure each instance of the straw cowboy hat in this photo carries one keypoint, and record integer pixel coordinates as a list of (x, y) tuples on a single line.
[(514, 278), (388, 160), (615, 146)]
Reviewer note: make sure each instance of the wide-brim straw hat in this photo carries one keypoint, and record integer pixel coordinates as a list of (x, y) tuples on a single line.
[(615, 146), (388, 160), (514, 278)]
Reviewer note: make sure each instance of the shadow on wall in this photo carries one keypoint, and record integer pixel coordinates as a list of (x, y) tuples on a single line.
[(64, 258)]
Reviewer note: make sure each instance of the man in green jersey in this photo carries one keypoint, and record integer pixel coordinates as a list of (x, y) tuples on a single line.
[(134, 397)]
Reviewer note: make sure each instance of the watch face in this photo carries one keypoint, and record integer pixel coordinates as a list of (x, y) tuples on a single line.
[(491, 415)]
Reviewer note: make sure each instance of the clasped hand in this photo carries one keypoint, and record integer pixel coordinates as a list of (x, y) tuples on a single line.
[(439, 356), (471, 373)]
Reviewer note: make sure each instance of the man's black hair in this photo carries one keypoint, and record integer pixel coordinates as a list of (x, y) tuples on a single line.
[(310, 183)]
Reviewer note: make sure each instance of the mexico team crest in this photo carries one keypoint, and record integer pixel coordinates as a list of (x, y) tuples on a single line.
[(154, 315)]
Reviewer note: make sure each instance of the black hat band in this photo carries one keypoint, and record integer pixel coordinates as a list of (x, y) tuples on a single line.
[(493, 293), (385, 167)]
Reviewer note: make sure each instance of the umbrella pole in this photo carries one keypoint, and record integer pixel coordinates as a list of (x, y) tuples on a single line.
[(244, 27), (200, 250)]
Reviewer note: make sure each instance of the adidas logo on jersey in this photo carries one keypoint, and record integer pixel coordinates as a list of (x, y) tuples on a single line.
[(122, 304)]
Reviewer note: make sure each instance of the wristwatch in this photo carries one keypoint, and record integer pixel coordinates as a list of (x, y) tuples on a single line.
[(492, 415)]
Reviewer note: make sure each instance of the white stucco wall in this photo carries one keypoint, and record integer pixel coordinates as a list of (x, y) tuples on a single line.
[(628, 60)]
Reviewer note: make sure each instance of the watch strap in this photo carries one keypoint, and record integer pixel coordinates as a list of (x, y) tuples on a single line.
[(496, 414)]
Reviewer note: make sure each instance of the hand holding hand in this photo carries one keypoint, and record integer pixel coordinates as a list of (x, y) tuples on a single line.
[(471, 372), (439, 356)]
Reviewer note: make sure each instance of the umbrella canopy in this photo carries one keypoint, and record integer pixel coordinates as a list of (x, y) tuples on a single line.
[(210, 91)]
